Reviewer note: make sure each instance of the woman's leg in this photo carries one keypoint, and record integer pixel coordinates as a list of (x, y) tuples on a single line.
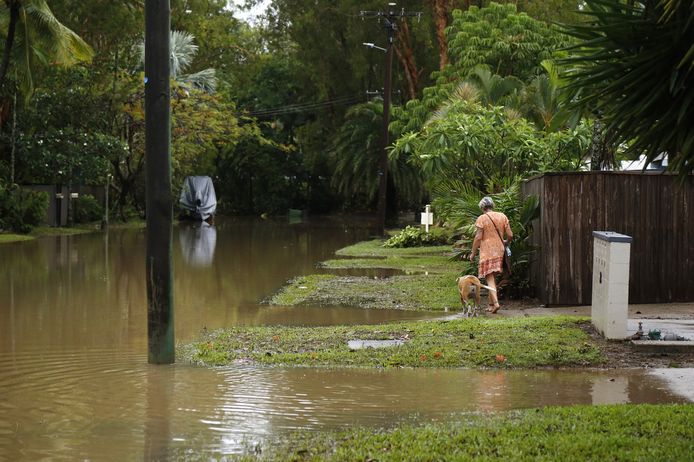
[(494, 300)]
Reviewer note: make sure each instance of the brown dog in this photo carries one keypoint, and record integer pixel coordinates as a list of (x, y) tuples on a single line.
[(466, 285)]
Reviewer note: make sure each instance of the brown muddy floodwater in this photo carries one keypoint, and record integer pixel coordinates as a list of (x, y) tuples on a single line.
[(75, 383)]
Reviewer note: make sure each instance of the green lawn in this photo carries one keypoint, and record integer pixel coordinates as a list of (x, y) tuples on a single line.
[(374, 248), (6, 238), (578, 433), (428, 283), (477, 342), (436, 292)]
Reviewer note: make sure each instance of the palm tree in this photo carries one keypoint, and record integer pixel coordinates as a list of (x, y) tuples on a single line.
[(356, 150), (546, 105), (635, 67), (183, 51), (34, 36)]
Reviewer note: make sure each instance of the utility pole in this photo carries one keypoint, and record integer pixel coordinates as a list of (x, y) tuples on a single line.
[(160, 309), (389, 19)]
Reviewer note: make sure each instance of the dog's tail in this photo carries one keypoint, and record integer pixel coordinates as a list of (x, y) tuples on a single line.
[(481, 285)]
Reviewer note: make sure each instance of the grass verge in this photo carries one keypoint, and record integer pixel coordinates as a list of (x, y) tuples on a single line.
[(577, 433), (374, 248), (6, 238), (429, 283), (417, 292), (477, 342), (41, 231)]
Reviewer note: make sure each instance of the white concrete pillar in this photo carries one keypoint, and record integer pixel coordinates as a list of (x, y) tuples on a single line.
[(610, 301)]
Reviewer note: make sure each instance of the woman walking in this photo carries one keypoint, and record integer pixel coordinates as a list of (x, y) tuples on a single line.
[(491, 228)]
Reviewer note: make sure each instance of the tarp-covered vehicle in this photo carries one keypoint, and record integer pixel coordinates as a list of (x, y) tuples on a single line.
[(198, 200)]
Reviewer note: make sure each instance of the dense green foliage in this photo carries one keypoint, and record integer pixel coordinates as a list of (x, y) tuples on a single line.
[(510, 44), (624, 432), (21, 210), (457, 204), (634, 66), (416, 236), (86, 209), (499, 343), (275, 111)]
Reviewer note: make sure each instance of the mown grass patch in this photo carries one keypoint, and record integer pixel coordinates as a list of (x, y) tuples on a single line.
[(413, 264), (374, 248), (301, 289), (6, 238), (429, 284), (619, 432), (56, 231), (420, 292), (478, 342), (40, 232)]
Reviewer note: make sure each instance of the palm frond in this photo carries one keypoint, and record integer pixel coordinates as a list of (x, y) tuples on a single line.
[(635, 68)]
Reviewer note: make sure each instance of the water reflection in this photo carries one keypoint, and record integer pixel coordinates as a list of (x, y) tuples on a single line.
[(89, 290), (75, 383), (198, 241), (160, 388), (109, 406)]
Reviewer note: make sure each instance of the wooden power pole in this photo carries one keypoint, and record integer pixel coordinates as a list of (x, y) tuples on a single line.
[(160, 308), (389, 18)]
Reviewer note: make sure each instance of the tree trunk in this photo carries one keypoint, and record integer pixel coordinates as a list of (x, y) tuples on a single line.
[(441, 8), (13, 5), (406, 58)]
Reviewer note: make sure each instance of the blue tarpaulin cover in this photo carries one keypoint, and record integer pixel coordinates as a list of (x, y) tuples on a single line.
[(198, 198)]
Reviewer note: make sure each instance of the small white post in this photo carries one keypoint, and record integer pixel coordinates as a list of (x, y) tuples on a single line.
[(427, 218), (610, 301)]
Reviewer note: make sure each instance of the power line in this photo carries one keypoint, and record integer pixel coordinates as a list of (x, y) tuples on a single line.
[(302, 107)]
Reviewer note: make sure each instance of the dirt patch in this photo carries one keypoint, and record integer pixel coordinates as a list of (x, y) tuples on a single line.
[(621, 354)]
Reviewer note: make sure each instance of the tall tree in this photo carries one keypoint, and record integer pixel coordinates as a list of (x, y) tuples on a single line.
[(34, 35), (441, 10)]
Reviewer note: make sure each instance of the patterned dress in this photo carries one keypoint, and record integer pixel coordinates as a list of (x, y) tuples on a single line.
[(491, 247)]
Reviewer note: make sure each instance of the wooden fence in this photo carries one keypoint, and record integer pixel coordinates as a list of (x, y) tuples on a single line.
[(657, 210)]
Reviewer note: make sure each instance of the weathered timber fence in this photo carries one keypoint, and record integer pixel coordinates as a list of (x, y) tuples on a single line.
[(657, 210)]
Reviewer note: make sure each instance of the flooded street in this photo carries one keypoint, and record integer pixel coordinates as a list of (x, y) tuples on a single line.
[(75, 383)]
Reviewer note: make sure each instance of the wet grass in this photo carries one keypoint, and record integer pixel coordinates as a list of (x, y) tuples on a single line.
[(41, 231), (6, 238), (50, 231), (417, 292), (477, 343), (577, 433), (429, 283), (412, 264), (374, 248)]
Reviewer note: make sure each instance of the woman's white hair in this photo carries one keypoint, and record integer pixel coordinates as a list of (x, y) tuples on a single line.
[(486, 203)]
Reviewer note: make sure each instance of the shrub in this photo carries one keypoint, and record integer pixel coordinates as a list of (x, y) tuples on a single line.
[(20, 210), (414, 236), (458, 206), (86, 209)]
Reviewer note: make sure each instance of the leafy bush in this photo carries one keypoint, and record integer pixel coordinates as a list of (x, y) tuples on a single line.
[(457, 204), (20, 210), (86, 209), (414, 236)]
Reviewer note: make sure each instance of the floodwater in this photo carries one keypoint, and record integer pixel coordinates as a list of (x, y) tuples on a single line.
[(75, 383)]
